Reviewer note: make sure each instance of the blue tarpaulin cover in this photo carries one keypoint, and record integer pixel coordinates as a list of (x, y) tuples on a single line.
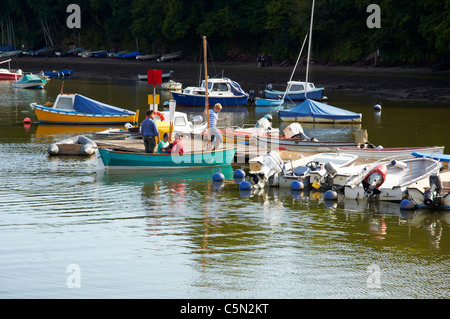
[(84, 104), (319, 110)]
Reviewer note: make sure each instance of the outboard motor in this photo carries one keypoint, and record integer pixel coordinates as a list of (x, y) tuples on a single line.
[(431, 196), (374, 179)]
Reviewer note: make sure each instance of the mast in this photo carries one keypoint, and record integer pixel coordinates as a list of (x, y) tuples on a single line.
[(309, 50), (206, 80)]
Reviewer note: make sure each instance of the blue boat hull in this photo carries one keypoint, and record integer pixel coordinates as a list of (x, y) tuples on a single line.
[(315, 94), (199, 100), (123, 159)]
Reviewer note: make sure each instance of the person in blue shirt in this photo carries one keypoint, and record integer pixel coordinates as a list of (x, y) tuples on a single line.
[(149, 132)]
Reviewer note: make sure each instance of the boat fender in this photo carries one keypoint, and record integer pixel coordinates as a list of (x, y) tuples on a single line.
[(399, 164), (330, 195), (87, 149), (407, 204), (374, 179), (53, 149), (245, 185), (297, 185)]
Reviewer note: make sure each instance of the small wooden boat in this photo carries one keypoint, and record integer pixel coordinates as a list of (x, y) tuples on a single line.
[(390, 152), (390, 181), (29, 81), (9, 74), (435, 154), (299, 145), (78, 109), (432, 192), (170, 56), (77, 145), (123, 159)]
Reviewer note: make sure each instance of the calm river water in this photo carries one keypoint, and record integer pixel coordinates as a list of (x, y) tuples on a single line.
[(70, 231)]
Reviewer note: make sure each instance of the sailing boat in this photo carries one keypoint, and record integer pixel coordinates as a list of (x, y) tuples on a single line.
[(310, 111)]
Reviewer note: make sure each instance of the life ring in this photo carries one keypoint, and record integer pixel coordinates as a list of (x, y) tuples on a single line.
[(161, 116)]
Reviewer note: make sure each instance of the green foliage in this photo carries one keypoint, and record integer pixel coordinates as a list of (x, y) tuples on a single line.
[(413, 32)]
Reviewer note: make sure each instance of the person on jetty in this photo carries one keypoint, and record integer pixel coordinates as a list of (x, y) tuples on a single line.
[(216, 137), (163, 144), (149, 132), (177, 146)]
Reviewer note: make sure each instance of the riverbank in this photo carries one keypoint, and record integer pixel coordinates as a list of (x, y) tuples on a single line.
[(409, 84)]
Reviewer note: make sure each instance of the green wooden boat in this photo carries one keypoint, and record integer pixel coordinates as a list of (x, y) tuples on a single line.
[(115, 158)]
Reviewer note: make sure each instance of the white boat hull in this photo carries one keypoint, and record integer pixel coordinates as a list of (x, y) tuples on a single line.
[(397, 180), (380, 153)]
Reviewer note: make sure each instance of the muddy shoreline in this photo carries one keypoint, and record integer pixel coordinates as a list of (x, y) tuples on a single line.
[(396, 83)]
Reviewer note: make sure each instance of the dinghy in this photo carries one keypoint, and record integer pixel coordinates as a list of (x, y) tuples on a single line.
[(29, 81), (76, 145)]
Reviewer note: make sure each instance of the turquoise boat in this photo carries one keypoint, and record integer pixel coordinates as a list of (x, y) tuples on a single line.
[(115, 158)]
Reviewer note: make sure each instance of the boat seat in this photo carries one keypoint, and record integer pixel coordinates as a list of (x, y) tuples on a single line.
[(300, 171)]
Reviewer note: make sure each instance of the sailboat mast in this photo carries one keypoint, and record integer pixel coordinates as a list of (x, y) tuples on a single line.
[(309, 50), (206, 79)]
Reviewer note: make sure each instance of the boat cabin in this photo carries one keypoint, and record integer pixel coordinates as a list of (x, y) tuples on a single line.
[(299, 86), (64, 102)]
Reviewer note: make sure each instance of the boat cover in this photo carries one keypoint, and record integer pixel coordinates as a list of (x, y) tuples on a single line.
[(84, 104), (235, 87), (439, 157), (31, 78), (319, 110)]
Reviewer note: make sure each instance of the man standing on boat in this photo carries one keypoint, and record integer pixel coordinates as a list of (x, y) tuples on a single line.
[(149, 132)]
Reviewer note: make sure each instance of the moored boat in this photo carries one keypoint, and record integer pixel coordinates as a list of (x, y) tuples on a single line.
[(29, 81), (390, 181), (123, 159), (59, 74), (310, 111), (220, 90), (380, 153), (296, 91), (78, 109), (9, 74), (76, 145)]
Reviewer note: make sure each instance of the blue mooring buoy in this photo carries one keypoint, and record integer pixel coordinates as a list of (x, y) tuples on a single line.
[(407, 204), (297, 185), (218, 177), (330, 194), (239, 173), (377, 107), (245, 185)]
